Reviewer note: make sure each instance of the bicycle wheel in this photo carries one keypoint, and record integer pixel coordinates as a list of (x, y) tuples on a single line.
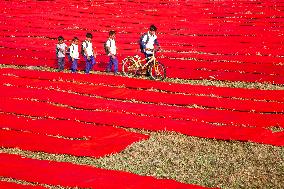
[(128, 67), (157, 71)]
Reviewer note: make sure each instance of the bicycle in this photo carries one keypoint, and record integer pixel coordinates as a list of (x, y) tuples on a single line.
[(134, 65)]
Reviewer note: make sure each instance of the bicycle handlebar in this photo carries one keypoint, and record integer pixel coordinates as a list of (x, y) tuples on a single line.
[(152, 50)]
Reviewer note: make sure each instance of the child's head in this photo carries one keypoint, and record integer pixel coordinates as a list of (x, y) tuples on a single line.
[(60, 39), (89, 36), (75, 40), (111, 34), (153, 29)]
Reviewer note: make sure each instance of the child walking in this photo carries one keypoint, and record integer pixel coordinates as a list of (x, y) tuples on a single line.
[(74, 54), (111, 52), (60, 53), (88, 53), (148, 41)]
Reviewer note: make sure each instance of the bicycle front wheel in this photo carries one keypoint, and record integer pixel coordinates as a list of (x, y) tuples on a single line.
[(157, 71), (129, 67)]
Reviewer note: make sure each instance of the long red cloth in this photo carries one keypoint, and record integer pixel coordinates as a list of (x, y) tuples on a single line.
[(71, 175), (112, 142), (64, 137)]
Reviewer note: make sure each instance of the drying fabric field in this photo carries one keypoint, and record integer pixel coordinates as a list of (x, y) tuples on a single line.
[(216, 121)]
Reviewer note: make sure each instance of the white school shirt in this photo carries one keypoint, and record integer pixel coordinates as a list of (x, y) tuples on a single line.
[(111, 44), (89, 47), (61, 47), (151, 41), (74, 51)]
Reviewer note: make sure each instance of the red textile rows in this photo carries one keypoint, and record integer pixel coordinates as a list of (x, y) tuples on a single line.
[(42, 93), (225, 92), (150, 123), (210, 31), (209, 115), (261, 120), (156, 98)]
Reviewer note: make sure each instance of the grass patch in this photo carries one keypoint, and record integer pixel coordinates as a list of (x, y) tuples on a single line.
[(276, 129)]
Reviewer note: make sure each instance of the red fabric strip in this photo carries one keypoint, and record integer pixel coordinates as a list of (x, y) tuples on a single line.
[(70, 175), (111, 142), (35, 135)]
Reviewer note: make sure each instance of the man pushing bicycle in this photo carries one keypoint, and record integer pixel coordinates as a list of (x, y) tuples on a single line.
[(148, 41), (135, 65)]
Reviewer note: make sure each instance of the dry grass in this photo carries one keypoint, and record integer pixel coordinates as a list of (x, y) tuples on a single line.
[(206, 162)]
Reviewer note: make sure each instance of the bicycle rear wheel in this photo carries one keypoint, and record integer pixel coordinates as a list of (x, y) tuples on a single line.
[(157, 71), (128, 67)]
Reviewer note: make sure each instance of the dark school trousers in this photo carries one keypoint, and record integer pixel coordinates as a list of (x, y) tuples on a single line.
[(61, 63), (114, 62), (74, 65), (89, 63)]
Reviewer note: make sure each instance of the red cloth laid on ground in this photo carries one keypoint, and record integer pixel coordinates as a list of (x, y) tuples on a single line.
[(71, 175), (200, 129), (64, 137)]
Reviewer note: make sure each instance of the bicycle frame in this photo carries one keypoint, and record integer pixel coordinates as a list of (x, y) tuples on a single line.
[(138, 63), (134, 65)]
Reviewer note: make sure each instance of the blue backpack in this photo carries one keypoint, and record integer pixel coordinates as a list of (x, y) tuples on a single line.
[(82, 48), (106, 48), (141, 42)]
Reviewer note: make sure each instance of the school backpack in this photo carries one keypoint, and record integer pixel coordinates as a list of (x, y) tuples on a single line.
[(107, 50), (141, 41), (68, 50), (82, 48), (57, 50)]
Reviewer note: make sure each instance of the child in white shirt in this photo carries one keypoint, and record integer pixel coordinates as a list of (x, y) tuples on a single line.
[(88, 53), (148, 41), (60, 53), (74, 54), (111, 52)]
